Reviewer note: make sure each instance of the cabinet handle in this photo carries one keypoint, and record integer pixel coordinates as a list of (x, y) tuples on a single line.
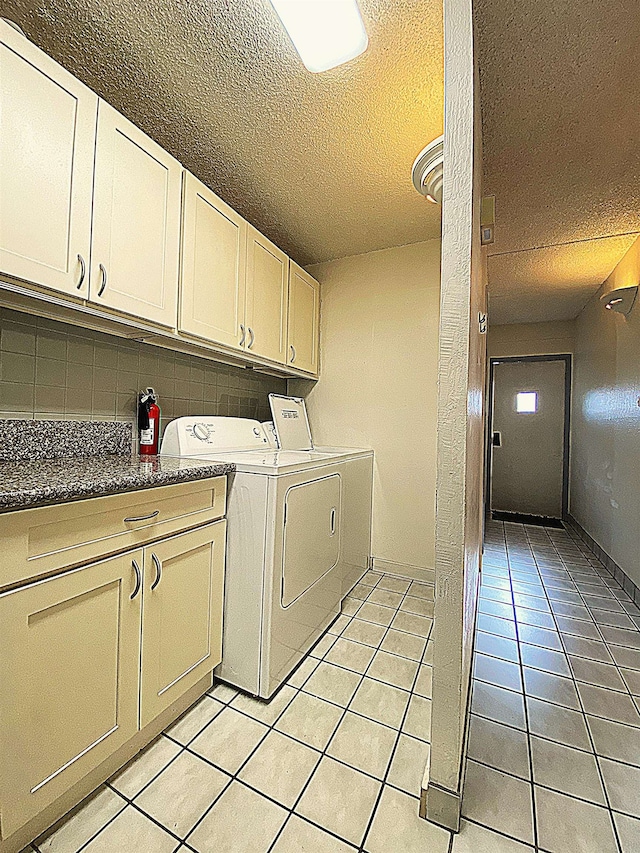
[(252, 336), (83, 272), (142, 517), (293, 353), (136, 569), (104, 280), (244, 335), (333, 521), (158, 565)]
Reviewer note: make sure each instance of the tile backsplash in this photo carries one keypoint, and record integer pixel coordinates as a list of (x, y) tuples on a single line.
[(57, 371)]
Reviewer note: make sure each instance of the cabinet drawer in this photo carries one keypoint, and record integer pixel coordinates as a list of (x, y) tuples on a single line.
[(45, 540)]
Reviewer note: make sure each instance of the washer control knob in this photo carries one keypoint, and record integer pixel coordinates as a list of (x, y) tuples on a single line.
[(201, 431)]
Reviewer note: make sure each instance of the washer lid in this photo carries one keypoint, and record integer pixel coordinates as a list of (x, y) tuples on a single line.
[(291, 422)]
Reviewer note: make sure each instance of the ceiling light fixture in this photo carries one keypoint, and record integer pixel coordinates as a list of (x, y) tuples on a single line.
[(325, 33), (427, 171), (621, 299)]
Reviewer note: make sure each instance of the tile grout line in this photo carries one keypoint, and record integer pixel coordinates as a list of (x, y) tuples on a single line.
[(534, 811), (395, 746), (342, 717), (126, 799), (584, 714), (229, 704), (525, 709), (185, 748)]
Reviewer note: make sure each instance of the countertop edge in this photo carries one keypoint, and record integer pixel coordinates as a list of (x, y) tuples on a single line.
[(92, 486)]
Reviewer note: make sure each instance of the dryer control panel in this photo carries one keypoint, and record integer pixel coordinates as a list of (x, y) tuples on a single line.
[(199, 435)]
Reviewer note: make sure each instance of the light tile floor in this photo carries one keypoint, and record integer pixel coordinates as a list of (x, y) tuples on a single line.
[(554, 744), (333, 763)]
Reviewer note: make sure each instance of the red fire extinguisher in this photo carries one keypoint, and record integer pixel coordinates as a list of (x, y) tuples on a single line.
[(148, 422)]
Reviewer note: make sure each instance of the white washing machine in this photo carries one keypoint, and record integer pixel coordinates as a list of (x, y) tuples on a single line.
[(298, 539)]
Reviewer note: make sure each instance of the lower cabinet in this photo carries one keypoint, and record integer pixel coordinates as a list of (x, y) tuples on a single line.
[(69, 670), (91, 656), (181, 615)]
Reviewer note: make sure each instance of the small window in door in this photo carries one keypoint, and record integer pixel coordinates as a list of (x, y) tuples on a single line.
[(527, 402)]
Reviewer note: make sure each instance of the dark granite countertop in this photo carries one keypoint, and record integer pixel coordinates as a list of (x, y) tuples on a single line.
[(37, 482)]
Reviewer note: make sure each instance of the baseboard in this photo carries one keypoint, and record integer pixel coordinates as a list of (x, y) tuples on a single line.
[(575, 528), (403, 570)]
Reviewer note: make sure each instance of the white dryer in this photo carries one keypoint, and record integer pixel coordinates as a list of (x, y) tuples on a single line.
[(298, 538)]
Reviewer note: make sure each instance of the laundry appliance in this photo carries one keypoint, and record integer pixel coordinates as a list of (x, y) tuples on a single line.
[(298, 539)]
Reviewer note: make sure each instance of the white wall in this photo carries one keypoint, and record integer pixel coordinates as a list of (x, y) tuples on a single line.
[(460, 421), (605, 434), (378, 386), (551, 338)]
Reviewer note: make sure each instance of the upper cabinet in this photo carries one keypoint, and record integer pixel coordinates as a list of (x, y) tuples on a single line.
[(304, 320), (267, 297), (47, 138), (239, 290), (91, 207), (212, 281), (136, 222)]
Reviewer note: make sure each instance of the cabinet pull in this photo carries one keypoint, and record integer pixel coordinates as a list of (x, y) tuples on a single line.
[(83, 271), (158, 565), (136, 569), (252, 336), (142, 517), (333, 521), (244, 335), (104, 280), (293, 353)]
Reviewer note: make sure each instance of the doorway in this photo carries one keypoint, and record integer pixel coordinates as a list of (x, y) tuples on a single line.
[(528, 447)]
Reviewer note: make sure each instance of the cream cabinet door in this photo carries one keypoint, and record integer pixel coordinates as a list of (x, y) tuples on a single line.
[(181, 615), (212, 281), (304, 320), (267, 297), (69, 669), (47, 140), (136, 222)]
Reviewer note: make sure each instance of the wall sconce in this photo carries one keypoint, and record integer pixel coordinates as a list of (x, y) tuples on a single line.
[(426, 172), (621, 299)]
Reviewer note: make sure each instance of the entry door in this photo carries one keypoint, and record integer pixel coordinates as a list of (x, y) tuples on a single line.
[(528, 437)]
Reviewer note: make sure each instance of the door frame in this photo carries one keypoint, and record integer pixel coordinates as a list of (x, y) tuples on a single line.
[(568, 362)]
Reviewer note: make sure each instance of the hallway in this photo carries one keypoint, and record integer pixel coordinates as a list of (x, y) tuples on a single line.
[(554, 744)]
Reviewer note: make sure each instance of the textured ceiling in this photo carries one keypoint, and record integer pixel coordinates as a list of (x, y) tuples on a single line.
[(561, 137), (552, 283), (320, 163)]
